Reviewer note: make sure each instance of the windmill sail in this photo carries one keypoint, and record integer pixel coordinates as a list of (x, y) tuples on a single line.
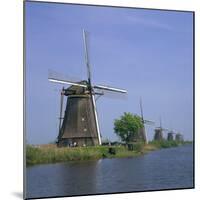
[(108, 88), (85, 39), (148, 122), (141, 110), (61, 108), (143, 131), (145, 121), (61, 81), (96, 119), (58, 75), (55, 77)]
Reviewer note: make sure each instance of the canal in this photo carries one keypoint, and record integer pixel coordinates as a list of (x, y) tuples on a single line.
[(162, 169)]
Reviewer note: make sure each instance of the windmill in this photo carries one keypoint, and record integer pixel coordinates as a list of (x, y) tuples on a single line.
[(179, 137), (142, 131), (170, 135), (159, 132), (79, 126)]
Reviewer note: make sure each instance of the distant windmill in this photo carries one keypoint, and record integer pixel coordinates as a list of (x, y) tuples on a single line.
[(170, 135), (79, 126), (179, 137), (142, 131), (159, 132)]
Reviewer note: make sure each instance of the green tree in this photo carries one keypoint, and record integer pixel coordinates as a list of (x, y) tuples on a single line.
[(127, 126)]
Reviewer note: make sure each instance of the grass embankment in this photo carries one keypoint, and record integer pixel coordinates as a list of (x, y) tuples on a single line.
[(166, 144), (52, 154)]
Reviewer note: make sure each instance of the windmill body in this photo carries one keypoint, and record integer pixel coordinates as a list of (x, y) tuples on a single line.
[(170, 135), (179, 137), (79, 126), (158, 136), (142, 134)]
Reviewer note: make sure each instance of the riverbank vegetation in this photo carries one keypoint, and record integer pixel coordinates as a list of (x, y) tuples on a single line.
[(53, 154), (44, 154), (127, 127)]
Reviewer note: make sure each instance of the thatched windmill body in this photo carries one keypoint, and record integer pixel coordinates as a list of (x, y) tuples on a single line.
[(79, 126)]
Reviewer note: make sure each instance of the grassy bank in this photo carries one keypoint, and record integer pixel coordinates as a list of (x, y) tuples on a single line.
[(166, 144), (52, 154)]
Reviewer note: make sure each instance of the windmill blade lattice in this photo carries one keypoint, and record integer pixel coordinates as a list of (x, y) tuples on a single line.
[(149, 122), (87, 61), (57, 75)]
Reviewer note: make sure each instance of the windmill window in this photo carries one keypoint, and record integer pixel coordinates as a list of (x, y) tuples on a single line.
[(85, 129), (83, 119)]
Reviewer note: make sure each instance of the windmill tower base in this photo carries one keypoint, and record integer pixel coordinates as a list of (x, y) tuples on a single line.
[(79, 126), (72, 142)]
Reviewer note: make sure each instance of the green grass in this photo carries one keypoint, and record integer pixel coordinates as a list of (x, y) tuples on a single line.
[(52, 154), (166, 144)]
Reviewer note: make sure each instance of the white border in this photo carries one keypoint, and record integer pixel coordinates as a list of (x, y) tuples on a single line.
[(11, 106)]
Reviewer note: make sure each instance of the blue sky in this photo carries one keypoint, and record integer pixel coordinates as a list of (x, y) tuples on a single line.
[(147, 52)]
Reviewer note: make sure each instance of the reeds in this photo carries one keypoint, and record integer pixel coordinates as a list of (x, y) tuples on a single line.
[(52, 154)]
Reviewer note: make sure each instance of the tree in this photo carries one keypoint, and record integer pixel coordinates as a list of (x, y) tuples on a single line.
[(127, 126)]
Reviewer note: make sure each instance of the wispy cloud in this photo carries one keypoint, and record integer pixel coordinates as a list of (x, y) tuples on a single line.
[(149, 22)]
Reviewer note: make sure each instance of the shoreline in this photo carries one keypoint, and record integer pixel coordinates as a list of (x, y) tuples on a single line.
[(49, 154)]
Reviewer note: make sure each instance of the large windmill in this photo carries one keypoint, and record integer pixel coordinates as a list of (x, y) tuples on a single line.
[(79, 126), (159, 132), (142, 131)]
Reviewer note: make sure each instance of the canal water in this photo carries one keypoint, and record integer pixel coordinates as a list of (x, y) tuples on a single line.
[(162, 169)]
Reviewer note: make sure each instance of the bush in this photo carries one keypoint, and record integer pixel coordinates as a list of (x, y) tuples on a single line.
[(112, 151), (139, 146)]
